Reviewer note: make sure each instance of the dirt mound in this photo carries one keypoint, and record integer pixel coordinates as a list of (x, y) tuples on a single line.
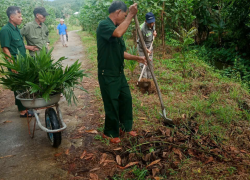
[(147, 86)]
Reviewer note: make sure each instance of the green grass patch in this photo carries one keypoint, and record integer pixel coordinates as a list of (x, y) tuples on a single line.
[(219, 105)]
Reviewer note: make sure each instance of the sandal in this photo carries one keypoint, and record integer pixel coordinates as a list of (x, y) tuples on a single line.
[(131, 133), (112, 140)]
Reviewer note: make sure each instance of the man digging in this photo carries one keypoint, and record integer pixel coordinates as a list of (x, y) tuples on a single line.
[(113, 84), (148, 32)]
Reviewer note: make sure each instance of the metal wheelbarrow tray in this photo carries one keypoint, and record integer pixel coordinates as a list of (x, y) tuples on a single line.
[(53, 119)]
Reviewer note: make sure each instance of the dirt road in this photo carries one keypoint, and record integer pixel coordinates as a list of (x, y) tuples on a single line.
[(24, 158)]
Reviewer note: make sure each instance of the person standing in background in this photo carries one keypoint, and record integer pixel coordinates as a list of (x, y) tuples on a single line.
[(62, 31), (11, 43), (148, 32), (36, 32)]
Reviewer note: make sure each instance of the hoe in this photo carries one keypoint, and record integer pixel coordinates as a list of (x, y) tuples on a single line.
[(163, 114)]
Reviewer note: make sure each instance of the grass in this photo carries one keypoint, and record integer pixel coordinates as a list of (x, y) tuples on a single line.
[(217, 103)]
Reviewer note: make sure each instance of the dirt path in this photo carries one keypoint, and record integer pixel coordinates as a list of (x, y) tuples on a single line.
[(24, 158)]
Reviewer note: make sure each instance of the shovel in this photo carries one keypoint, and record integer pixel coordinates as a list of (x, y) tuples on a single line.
[(145, 84), (163, 114)]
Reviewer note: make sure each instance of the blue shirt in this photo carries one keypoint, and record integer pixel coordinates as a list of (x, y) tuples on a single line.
[(62, 29)]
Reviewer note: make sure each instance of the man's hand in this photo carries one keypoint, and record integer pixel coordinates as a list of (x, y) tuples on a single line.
[(133, 9), (32, 48), (155, 34), (14, 71), (142, 59), (148, 51)]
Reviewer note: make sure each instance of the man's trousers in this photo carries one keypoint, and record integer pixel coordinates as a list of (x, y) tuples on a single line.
[(63, 39), (117, 104)]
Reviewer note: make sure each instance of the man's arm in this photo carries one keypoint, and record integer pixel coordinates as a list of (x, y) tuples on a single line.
[(139, 59), (31, 48), (7, 52), (122, 28), (57, 32)]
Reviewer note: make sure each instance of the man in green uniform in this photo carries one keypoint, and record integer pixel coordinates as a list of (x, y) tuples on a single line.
[(36, 32), (148, 31), (12, 42), (114, 87)]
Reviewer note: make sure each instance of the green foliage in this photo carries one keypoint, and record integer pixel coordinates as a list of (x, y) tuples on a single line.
[(27, 7), (41, 76), (186, 39), (131, 65), (64, 8)]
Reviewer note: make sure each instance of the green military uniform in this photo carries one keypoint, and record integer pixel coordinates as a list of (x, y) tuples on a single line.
[(35, 35), (113, 84), (147, 34), (11, 38)]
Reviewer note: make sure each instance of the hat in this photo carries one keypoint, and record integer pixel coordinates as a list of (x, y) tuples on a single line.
[(150, 18), (61, 19), (40, 10)]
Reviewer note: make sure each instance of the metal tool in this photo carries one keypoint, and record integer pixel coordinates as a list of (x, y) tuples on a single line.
[(163, 114)]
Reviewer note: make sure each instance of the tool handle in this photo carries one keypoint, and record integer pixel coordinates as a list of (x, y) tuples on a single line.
[(144, 67), (148, 61)]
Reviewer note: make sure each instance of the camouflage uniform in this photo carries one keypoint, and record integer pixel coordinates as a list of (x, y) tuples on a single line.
[(148, 38)]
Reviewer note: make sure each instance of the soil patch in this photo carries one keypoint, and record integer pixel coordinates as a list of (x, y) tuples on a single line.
[(7, 98), (147, 86)]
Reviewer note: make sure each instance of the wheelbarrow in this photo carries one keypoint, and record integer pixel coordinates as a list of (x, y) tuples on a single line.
[(53, 118)]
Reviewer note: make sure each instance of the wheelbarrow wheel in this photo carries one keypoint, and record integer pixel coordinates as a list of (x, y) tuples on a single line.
[(52, 123)]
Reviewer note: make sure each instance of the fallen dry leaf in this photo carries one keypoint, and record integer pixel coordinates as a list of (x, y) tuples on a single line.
[(108, 161), (95, 169), (7, 121), (67, 152), (92, 131), (128, 165), (103, 158), (91, 114), (80, 129), (142, 118), (6, 156), (83, 154), (210, 159), (243, 151), (165, 131), (158, 178), (154, 162), (93, 176), (89, 156), (118, 160), (58, 154), (184, 116), (118, 149), (178, 152), (76, 117), (141, 104), (155, 171)]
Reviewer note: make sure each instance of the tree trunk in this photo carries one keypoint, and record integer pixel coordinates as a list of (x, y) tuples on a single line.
[(163, 28)]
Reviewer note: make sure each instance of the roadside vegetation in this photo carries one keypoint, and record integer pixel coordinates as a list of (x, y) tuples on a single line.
[(210, 139)]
